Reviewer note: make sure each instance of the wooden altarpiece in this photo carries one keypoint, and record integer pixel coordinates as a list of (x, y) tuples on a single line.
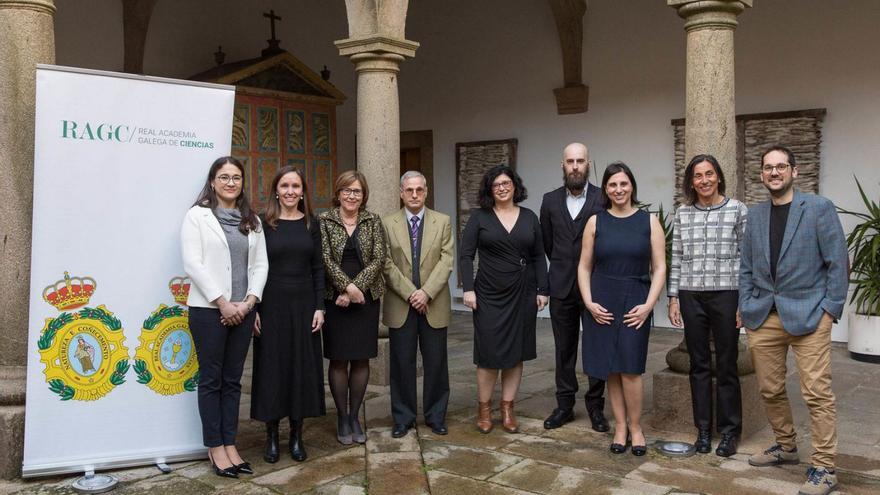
[(285, 114)]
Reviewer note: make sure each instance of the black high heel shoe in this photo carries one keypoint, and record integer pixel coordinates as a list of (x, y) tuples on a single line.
[(640, 450), (244, 468), (618, 448), (230, 472)]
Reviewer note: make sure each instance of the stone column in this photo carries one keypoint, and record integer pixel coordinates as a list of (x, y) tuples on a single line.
[(27, 38), (710, 125), (377, 62)]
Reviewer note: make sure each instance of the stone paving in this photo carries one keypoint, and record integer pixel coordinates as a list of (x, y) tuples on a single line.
[(570, 460)]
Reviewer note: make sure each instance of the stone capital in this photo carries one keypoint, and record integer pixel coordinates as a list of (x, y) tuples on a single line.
[(44, 6), (703, 14), (377, 44)]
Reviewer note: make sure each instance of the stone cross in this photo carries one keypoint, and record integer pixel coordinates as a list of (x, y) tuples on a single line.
[(272, 18)]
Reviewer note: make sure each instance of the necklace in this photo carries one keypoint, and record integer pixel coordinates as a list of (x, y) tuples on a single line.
[(347, 224)]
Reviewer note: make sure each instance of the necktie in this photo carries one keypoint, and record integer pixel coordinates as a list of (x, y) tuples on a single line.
[(414, 231), (414, 238)]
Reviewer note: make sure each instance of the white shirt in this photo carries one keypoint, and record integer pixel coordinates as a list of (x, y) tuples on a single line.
[(420, 214), (575, 203)]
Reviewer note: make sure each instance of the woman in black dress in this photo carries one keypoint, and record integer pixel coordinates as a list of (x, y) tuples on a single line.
[(288, 379), (353, 246), (620, 276), (509, 290)]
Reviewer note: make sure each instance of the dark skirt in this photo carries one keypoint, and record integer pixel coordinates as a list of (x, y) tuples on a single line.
[(288, 378), (352, 333), (615, 348), (505, 319)]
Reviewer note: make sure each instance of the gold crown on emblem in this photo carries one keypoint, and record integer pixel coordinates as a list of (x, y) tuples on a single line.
[(179, 287), (70, 292)]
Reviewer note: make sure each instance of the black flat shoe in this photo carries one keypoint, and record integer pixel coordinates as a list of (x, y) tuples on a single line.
[(618, 448), (727, 445), (400, 430), (703, 444), (243, 468), (598, 421), (558, 418), (639, 450), (438, 428)]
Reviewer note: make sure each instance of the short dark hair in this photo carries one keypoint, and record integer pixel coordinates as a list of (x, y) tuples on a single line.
[(687, 185), (778, 147), (484, 194), (346, 179), (616, 168)]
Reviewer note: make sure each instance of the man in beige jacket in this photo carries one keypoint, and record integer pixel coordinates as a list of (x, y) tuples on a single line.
[(417, 305)]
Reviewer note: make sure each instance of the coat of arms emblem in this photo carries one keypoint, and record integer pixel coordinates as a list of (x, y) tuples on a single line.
[(83, 351), (165, 360)]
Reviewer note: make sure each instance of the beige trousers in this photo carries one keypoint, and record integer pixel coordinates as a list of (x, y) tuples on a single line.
[(769, 346)]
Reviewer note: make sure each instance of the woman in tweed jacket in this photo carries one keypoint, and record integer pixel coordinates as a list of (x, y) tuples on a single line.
[(703, 294), (353, 245)]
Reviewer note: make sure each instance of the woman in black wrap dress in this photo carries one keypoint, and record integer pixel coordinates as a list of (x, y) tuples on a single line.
[(509, 290)]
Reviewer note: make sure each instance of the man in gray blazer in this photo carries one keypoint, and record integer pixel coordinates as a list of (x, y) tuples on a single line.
[(792, 286)]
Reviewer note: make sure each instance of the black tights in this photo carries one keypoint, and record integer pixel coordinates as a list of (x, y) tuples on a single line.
[(348, 384)]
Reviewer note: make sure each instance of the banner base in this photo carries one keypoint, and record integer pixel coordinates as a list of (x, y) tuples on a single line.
[(95, 483)]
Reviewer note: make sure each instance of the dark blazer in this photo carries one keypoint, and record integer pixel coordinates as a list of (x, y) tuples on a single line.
[(371, 249), (562, 236), (811, 274)]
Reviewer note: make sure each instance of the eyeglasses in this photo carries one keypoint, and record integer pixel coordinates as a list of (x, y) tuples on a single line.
[(505, 184), (354, 193), (230, 179), (779, 167), (418, 191)]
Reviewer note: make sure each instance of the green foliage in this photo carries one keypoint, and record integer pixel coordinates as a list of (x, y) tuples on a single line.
[(118, 376), (143, 374), (99, 314), (192, 383), (45, 340), (666, 221), (864, 244), (155, 318), (58, 386)]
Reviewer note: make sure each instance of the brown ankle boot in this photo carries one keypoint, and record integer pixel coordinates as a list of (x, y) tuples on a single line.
[(508, 419), (484, 417)]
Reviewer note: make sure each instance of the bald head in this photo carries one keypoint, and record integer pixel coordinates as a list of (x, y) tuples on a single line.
[(574, 149), (575, 167)]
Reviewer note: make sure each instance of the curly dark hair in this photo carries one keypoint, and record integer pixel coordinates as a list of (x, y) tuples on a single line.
[(616, 168), (687, 185), (484, 195)]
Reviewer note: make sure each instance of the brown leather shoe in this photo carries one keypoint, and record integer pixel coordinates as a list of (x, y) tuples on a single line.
[(484, 417), (508, 419)]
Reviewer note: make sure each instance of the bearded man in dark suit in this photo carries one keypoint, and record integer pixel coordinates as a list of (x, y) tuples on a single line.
[(564, 212)]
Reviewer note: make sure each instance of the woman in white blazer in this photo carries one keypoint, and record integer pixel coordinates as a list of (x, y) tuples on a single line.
[(224, 254)]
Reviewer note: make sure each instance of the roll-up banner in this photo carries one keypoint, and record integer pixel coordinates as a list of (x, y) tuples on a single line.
[(112, 371)]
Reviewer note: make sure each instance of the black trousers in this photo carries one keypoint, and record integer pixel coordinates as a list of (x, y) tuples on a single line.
[(565, 317), (221, 352), (712, 314), (417, 334)]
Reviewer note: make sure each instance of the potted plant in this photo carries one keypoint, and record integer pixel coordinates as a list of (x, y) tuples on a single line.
[(864, 244)]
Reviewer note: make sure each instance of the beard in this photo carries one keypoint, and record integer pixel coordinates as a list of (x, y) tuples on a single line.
[(575, 181)]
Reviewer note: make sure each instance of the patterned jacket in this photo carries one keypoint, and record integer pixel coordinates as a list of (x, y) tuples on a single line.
[(371, 249)]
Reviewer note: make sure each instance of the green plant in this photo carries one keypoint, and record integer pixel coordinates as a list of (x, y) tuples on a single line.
[(864, 244), (666, 221)]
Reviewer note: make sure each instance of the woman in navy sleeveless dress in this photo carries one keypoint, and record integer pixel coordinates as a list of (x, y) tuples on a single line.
[(621, 274)]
